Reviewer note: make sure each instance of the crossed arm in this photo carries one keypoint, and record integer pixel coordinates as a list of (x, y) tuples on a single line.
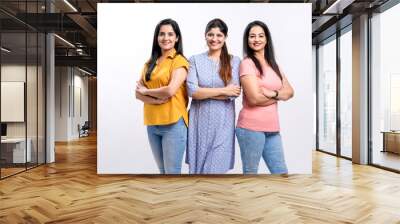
[(230, 91), (286, 92), (162, 94), (148, 99), (258, 96), (216, 93)]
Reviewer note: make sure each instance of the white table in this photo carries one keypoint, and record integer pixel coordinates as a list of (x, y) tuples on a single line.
[(18, 144)]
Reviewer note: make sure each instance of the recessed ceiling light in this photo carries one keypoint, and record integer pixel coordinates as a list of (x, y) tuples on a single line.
[(70, 5), (337, 7), (84, 71), (64, 40), (5, 50)]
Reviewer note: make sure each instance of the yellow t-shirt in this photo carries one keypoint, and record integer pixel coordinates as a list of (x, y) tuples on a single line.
[(175, 108)]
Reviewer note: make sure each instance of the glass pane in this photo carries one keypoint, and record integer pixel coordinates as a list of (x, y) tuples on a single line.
[(32, 85), (13, 88), (32, 96), (22, 88), (346, 94), (41, 98), (386, 89), (327, 96)]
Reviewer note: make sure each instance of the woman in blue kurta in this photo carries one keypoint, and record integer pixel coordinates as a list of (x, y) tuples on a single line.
[(213, 84)]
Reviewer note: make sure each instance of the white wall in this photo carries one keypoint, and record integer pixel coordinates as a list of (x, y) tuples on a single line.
[(61, 103), (67, 85), (122, 139)]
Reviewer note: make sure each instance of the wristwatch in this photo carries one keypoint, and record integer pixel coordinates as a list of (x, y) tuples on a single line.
[(276, 95)]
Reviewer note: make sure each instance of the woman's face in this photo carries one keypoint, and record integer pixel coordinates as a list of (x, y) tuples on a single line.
[(167, 37), (215, 39), (257, 38)]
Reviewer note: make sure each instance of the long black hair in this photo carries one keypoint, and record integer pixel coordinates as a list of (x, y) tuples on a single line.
[(156, 50), (268, 49), (225, 70)]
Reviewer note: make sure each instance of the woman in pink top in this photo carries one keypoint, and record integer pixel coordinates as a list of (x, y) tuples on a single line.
[(264, 85)]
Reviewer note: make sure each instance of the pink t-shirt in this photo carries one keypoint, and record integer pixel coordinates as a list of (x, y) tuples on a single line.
[(259, 118)]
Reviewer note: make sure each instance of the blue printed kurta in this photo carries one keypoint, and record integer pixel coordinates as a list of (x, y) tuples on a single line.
[(211, 133)]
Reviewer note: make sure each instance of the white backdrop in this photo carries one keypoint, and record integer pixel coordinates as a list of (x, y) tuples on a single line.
[(125, 33)]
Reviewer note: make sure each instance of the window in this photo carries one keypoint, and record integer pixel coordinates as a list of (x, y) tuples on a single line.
[(346, 93), (22, 65), (385, 89), (327, 96)]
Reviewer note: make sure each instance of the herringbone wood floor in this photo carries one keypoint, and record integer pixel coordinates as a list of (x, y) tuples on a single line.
[(70, 191)]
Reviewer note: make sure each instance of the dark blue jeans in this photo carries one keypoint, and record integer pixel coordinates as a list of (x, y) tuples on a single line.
[(254, 144), (168, 144)]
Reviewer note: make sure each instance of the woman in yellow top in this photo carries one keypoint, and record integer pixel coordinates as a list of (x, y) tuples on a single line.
[(163, 91)]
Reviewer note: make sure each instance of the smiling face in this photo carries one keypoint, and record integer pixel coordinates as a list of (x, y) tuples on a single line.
[(257, 38), (215, 39), (167, 38)]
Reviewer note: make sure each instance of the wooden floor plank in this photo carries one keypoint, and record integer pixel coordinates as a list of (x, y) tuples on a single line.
[(70, 191)]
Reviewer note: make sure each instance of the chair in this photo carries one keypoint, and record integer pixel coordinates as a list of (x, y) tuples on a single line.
[(84, 130)]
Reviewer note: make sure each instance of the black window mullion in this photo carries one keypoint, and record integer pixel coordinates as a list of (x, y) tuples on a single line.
[(0, 98), (26, 87), (369, 89), (338, 91), (37, 90), (317, 95)]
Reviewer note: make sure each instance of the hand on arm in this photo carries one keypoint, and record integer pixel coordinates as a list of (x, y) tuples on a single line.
[(165, 92), (286, 92), (268, 93), (140, 88), (235, 76)]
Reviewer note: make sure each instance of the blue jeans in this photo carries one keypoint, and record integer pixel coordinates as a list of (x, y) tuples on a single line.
[(254, 144), (168, 144)]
